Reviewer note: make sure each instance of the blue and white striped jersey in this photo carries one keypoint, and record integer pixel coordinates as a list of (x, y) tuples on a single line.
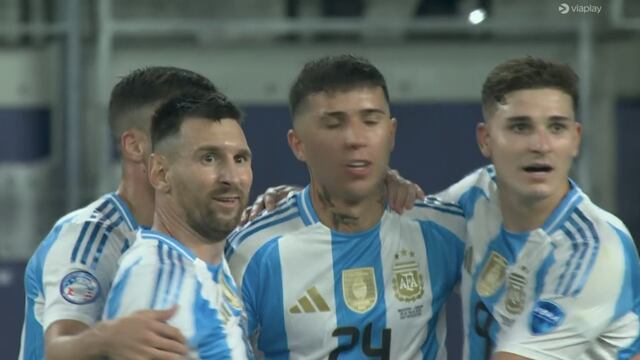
[(159, 272), (314, 293), (69, 275), (568, 290)]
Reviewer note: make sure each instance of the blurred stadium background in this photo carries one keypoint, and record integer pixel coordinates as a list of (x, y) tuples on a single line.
[(60, 58)]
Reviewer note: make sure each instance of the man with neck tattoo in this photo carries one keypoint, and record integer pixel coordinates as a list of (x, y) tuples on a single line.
[(331, 273)]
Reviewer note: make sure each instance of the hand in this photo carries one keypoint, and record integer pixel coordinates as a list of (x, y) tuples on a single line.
[(144, 335), (401, 193), (267, 201)]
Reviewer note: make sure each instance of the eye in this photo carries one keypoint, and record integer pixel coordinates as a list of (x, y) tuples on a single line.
[(241, 159), (208, 158), (373, 119), (558, 127), (519, 127)]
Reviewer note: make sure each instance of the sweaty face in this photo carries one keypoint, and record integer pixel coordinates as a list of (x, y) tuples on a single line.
[(346, 138), (211, 175), (532, 138)]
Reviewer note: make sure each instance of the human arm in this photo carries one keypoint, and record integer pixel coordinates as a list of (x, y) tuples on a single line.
[(144, 334), (401, 194)]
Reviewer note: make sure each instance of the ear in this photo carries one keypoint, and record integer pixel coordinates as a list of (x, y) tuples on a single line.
[(394, 126), (134, 143), (482, 136), (296, 144), (159, 175), (578, 141)]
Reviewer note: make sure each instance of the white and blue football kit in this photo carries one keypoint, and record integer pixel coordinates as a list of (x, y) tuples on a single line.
[(70, 273), (568, 290), (315, 293), (159, 272)]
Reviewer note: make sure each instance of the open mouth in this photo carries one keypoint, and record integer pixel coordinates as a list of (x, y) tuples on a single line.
[(358, 164), (538, 168)]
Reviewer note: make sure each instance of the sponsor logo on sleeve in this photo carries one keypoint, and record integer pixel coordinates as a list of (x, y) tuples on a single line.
[(80, 287)]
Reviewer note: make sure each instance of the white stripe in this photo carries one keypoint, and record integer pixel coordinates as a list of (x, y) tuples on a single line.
[(299, 273), (398, 233)]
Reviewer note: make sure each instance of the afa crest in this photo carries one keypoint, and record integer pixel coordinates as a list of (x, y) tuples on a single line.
[(407, 281), (492, 276), (359, 289)]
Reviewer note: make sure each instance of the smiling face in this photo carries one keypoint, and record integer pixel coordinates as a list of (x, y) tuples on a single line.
[(531, 138), (346, 138), (210, 175)]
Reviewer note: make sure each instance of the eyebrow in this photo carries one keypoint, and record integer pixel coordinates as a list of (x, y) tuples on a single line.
[(218, 150), (523, 118), (341, 114)]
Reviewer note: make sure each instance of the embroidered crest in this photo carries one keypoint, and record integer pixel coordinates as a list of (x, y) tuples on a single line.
[(492, 276), (359, 289), (80, 287), (408, 285)]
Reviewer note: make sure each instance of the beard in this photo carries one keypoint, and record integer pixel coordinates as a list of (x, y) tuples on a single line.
[(214, 224)]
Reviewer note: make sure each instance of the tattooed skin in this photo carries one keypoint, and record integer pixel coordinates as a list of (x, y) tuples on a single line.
[(339, 220)]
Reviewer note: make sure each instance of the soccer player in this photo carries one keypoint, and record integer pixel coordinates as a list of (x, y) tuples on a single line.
[(69, 275), (547, 274), (330, 272), (201, 172)]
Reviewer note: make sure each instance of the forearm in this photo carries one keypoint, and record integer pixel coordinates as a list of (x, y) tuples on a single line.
[(77, 343)]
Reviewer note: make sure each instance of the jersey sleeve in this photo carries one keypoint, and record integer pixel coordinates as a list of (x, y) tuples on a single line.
[(77, 272), (597, 305)]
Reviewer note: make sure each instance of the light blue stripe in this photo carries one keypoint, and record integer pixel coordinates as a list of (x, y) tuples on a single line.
[(469, 199), (158, 277), (116, 292), (629, 299), (445, 253), (567, 265), (584, 246), (350, 251), (105, 237), (594, 252), (34, 287), (262, 294)]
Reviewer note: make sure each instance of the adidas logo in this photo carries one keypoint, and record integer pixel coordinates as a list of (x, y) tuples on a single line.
[(310, 302)]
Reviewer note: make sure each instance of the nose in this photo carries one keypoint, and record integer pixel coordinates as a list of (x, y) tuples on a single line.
[(355, 134), (231, 173), (540, 141)]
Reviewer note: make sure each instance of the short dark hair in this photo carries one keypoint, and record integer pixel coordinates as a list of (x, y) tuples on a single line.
[(527, 73), (334, 73), (168, 119), (149, 86)]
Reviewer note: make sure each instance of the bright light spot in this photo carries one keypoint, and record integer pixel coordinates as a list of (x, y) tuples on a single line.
[(477, 16)]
